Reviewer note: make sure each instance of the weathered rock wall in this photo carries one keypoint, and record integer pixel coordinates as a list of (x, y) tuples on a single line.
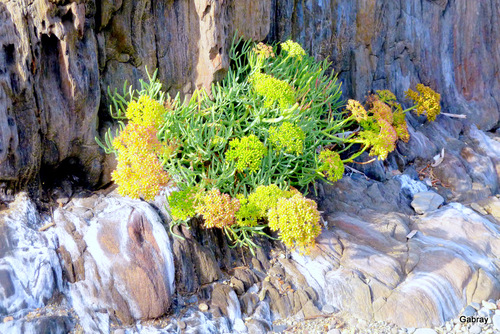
[(57, 58), (451, 45)]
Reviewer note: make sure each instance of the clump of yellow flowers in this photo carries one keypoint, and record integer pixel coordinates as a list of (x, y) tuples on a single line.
[(297, 220), (426, 100), (273, 90), (218, 210), (293, 49), (383, 121), (146, 112), (247, 152), (287, 137), (139, 173), (295, 217), (331, 164)]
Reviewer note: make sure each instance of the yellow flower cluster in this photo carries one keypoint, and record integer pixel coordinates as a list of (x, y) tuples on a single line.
[(386, 95), (248, 214), (427, 101), (381, 111), (139, 172), (273, 90), (357, 110), (266, 197), (247, 152), (332, 165), (293, 49), (146, 112), (218, 210), (382, 124), (183, 203), (287, 137), (264, 50), (297, 219), (400, 125), (381, 143)]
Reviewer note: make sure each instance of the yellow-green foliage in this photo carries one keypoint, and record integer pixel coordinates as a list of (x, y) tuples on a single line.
[(287, 137), (427, 101), (218, 210), (139, 173), (266, 197), (331, 165), (297, 219), (146, 112), (293, 49), (183, 203), (274, 90), (247, 152), (248, 214)]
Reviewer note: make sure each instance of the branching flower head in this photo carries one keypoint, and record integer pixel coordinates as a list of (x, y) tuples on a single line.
[(218, 210), (381, 143), (247, 152), (427, 101), (139, 173), (287, 137), (273, 89), (357, 110), (146, 112), (266, 197), (183, 203), (386, 95), (297, 219), (263, 50), (248, 214), (381, 110), (293, 49), (332, 165), (400, 125)]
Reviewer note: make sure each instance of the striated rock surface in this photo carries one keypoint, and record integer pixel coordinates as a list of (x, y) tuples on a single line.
[(117, 259), (30, 273)]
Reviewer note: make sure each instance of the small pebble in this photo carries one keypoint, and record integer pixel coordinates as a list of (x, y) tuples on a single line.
[(489, 305), (203, 307), (334, 331), (328, 309), (484, 312), (425, 331), (475, 329), (469, 311), (496, 322), (475, 305)]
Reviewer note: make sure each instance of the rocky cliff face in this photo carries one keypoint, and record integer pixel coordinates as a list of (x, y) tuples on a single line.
[(58, 57), (451, 45)]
